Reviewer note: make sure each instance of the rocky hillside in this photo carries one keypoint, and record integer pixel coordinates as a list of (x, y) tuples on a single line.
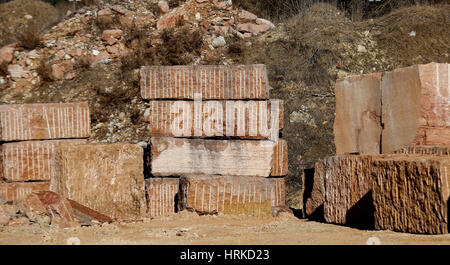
[(95, 50)]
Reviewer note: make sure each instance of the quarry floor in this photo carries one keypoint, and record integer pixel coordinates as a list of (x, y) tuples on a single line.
[(189, 228)]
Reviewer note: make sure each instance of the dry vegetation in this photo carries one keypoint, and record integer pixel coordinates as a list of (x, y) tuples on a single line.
[(15, 26)]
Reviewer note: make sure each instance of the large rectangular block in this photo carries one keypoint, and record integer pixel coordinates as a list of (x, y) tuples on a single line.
[(416, 106), (244, 119), (30, 160), (231, 194), (178, 157), (18, 191), (425, 150), (109, 178), (207, 81), (411, 193), (357, 126), (44, 121), (347, 190), (161, 195)]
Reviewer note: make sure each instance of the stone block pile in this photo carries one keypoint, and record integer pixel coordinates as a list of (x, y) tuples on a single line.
[(214, 140), (391, 171), (30, 134)]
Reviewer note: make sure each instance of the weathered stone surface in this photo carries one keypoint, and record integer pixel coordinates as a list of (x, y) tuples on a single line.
[(111, 36), (30, 160), (357, 126), (425, 150), (243, 119), (280, 159), (416, 106), (231, 194), (161, 195), (19, 190), (411, 193), (108, 178), (347, 183), (210, 81), (44, 121), (314, 201), (177, 157)]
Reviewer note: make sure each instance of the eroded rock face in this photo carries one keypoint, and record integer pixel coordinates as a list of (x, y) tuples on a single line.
[(161, 195), (357, 126), (105, 177), (21, 122), (208, 81), (178, 157), (30, 160), (348, 187), (411, 193), (231, 194), (416, 106)]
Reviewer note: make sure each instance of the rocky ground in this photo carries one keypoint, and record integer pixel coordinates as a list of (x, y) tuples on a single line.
[(189, 228)]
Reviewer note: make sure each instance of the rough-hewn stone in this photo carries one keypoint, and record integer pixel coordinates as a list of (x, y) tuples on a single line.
[(209, 81), (411, 193), (44, 121), (178, 156), (30, 160), (243, 119), (314, 202), (108, 178), (161, 195), (231, 194), (348, 186), (357, 126)]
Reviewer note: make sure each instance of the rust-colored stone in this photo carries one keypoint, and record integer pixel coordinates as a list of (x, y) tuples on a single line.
[(231, 194), (357, 126), (44, 121), (161, 195), (85, 215), (178, 156), (18, 191), (208, 81), (411, 193), (52, 204), (108, 178), (416, 106), (243, 119), (30, 160)]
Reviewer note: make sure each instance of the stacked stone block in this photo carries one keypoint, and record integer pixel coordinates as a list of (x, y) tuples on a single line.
[(30, 133), (216, 129)]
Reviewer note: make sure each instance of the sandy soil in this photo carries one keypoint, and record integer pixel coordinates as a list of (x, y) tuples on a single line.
[(189, 228)]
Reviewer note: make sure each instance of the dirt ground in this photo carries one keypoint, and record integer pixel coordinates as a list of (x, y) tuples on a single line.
[(189, 228)]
